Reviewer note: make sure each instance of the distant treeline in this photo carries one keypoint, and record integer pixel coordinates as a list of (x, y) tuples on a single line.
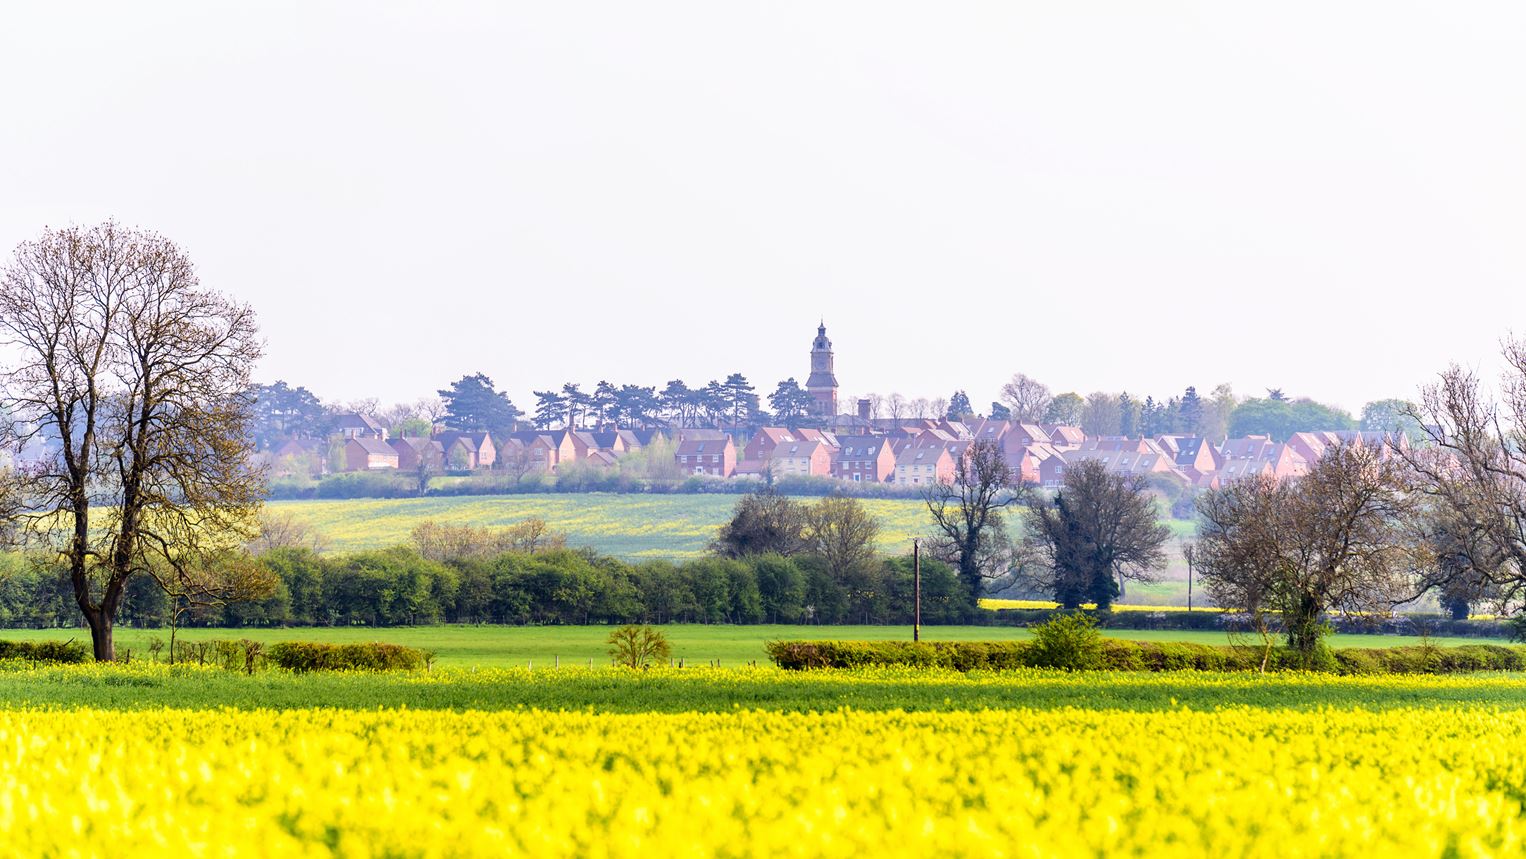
[(400, 586)]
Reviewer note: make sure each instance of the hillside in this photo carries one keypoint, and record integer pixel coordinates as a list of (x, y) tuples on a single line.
[(626, 526)]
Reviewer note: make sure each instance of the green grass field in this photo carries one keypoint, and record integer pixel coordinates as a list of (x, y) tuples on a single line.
[(522, 646), (632, 527)]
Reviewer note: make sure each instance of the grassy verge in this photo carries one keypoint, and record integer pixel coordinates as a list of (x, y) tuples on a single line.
[(543, 646), (721, 690)]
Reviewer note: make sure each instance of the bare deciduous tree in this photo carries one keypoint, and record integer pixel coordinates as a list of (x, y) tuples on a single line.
[(876, 406), (437, 541), (282, 530), (970, 530), (135, 381), (1472, 470), (1337, 538), (842, 532), (1027, 397)]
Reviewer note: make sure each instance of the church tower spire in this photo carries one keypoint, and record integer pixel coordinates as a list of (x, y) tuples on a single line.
[(822, 383)]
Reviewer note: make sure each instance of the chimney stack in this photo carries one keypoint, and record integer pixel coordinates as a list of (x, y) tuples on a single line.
[(863, 409)]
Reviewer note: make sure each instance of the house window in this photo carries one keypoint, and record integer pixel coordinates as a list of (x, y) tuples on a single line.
[(857, 478)]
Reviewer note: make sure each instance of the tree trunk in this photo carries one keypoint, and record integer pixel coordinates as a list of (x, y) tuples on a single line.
[(101, 640)]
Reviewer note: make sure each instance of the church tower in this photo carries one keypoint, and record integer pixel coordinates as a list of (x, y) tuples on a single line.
[(822, 384)]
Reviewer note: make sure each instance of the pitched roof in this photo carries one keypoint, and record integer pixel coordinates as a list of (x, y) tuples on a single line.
[(417, 443), (1063, 435), (704, 446), (862, 448), (374, 446), (926, 454), (474, 439), (355, 420), (602, 457), (799, 449), (605, 439)]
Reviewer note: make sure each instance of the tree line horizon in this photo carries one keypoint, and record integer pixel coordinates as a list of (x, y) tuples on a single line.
[(472, 404)]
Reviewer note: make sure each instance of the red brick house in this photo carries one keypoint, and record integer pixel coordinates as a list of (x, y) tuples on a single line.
[(535, 455), (1194, 455), (1064, 437), (470, 450), (801, 458), (300, 456), (764, 441), (707, 456), (1260, 455), (368, 454), (1028, 460), (865, 459), (919, 464), (411, 451)]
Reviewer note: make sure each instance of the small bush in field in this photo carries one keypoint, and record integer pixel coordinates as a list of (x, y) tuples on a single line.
[(43, 651), (1069, 641), (638, 647), (302, 656)]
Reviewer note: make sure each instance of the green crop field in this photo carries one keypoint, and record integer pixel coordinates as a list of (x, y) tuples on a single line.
[(632, 527), (522, 646)]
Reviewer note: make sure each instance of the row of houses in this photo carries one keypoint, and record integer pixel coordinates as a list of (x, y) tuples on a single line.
[(908, 453), (361, 444), (928, 452)]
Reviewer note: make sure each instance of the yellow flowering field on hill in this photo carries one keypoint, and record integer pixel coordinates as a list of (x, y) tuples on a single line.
[(634, 527), (1020, 782)]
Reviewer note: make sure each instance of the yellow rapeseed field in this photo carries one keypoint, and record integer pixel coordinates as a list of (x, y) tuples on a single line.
[(993, 604), (1068, 782)]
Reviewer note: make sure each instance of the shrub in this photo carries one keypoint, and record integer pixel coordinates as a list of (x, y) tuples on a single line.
[(960, 656), (638, 647), (44, 651), (1118, 655), (302, 656), (1069, 641)]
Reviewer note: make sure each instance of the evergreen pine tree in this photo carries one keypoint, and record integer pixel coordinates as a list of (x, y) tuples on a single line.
[(1128, 417), (959, 406), (1191, 412)]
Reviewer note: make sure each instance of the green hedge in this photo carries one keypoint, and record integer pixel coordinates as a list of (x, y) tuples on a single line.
[(1398, 624), (44, 651), (1118, 655), (317, 656)]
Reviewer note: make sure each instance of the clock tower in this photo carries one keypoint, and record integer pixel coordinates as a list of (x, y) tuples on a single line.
[(822, 384)]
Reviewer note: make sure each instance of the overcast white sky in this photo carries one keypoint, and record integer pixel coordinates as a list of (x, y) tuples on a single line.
[(1325, 197)]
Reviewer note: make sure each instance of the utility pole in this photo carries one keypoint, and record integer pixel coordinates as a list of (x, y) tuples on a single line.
[(916, 587), (1187, 552)]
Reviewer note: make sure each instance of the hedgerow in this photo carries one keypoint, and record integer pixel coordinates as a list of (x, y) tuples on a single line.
[(1119, 655)]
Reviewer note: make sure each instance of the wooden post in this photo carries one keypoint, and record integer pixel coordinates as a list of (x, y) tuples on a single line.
[(916, 587), (1188, 551)]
